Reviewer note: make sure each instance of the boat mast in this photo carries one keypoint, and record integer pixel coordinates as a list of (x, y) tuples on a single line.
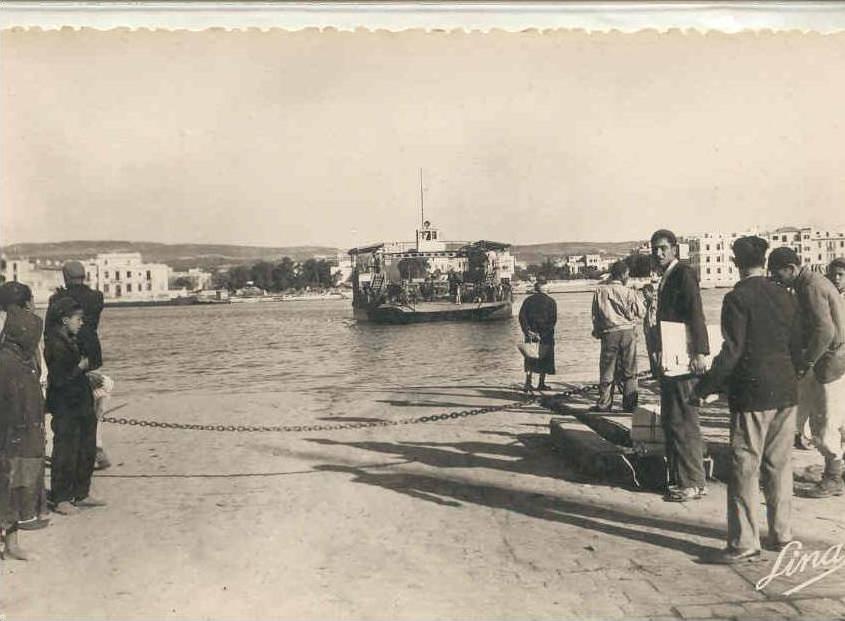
[(422, 201)]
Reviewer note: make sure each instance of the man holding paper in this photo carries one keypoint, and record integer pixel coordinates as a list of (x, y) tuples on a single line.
[(679, 300), (756, 367)]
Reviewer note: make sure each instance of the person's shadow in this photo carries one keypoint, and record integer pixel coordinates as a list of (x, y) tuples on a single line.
[(613, 522)]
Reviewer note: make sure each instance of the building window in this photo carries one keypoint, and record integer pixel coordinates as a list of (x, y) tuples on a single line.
[(149, 275), (105, 288), (149, 286), (87, 275), (106, 274), (129, 287), (707, 259), (820, 257), (718, 270), (718, 259), (783, 238), (128, 274), (708, 270)]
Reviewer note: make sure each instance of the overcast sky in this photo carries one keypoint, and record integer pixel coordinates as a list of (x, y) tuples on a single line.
[(317, 138)]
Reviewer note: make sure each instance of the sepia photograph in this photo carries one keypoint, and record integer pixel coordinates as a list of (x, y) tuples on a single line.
[(417, 323)]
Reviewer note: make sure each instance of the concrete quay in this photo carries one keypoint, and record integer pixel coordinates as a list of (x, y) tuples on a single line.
[(483, 517)]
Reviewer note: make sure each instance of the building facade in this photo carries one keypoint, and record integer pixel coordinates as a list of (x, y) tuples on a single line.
[(125, 276), (710, 253)]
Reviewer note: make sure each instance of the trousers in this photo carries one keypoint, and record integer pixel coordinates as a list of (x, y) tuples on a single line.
[(684, 446), (74, 453), (618, 351), (824, 406), (761, 443)]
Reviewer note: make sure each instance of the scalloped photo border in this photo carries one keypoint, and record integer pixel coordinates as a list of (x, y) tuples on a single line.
[(466, 17)]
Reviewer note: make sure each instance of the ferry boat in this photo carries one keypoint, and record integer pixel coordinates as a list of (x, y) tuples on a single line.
[(432, 280)]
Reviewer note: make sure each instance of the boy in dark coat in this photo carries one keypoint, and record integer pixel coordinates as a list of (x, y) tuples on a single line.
[(757, 368), (679, 300), (21, 428), (71, 402)]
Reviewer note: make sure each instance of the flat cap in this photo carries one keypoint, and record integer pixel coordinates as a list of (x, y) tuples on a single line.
[(73, 269)]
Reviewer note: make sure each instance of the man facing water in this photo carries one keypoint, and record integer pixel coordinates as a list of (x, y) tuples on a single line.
[(679, 300), (537, 318), (762, 345), (616, 311)]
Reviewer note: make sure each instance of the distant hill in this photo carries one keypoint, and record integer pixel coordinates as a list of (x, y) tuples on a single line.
[(210, 256), (536, 253), (177, 256)]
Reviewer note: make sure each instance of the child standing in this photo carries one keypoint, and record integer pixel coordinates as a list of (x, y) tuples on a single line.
[(71, 402), (21, 429)]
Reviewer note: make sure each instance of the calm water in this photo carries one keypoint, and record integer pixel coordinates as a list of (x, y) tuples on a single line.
[(307, 346)]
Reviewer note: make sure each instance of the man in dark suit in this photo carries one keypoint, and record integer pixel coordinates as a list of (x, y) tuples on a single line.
[(757, 367), (679, 300)]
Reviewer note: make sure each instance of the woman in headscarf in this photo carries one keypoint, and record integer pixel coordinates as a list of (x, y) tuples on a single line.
[(21, 424)]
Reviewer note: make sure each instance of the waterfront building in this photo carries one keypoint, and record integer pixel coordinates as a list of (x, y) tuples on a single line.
[(200, 279), (710, 253), (124, 276), (42, 277)]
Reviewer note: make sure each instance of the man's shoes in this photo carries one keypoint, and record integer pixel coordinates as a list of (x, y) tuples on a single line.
[(775, 546), (802, 443), (829, 486), (66, 507), (544, 388), (102, 462), (527, 387), (683, 494), (36, 523), (600, 408), (730, 556), (90, 501)]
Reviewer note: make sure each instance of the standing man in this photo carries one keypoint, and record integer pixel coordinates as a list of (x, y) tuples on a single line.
[(836, 274), (616, 310), (822, 312), (679, 300), (537, 318), (88, 339), (762, 344)]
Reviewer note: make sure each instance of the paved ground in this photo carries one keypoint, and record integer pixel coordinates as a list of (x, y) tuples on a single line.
[(472, 518)]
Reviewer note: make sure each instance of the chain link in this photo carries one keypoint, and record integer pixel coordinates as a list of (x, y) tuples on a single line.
[(429, 418)]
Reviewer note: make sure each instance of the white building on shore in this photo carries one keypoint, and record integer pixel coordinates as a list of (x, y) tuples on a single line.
[(710, 253), (124, 276)]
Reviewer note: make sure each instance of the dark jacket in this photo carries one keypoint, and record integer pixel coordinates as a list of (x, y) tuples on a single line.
[(762, 344), (21, 403), (92, 306), (68, 390), (679, 300), (539, 314)]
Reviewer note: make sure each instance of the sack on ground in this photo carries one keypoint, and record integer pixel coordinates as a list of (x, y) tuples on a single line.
[(831, 366), (530, 350)]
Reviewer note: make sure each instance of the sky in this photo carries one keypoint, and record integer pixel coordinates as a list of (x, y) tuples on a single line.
[(279, 139)]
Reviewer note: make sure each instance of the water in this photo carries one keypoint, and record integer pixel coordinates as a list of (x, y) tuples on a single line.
[(314, 345)]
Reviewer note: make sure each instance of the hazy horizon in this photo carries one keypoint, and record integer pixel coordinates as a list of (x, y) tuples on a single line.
[(316, 138)]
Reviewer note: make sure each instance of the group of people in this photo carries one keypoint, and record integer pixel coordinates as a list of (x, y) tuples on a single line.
[(49, 366), (781, 365)]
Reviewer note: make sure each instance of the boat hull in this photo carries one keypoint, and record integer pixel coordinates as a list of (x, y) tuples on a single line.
[(424, 313)]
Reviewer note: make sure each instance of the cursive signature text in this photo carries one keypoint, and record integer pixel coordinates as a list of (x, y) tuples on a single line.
[(792, 560)]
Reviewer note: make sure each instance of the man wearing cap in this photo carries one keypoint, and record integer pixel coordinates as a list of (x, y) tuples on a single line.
[(822, 312), (88, 340), (756, 367), (679, 300)]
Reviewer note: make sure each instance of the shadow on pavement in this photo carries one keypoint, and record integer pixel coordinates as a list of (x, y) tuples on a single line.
[(587, 516)]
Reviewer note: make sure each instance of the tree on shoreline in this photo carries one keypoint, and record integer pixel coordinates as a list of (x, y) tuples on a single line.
[(286, 275)]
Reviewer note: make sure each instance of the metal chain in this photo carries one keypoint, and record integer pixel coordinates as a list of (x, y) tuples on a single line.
[(340, 426)]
